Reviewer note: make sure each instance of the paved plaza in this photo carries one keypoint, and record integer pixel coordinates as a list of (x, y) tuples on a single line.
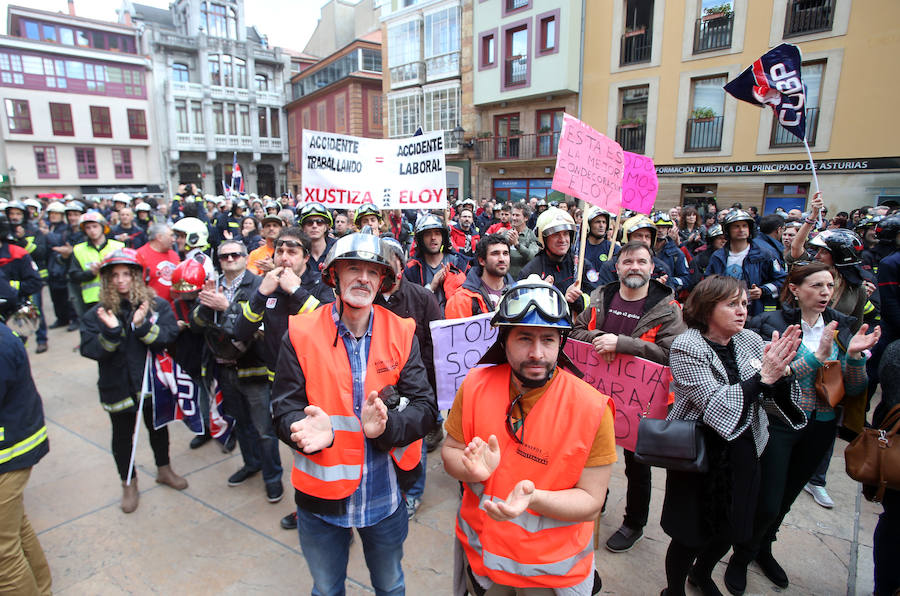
[(212, 539)]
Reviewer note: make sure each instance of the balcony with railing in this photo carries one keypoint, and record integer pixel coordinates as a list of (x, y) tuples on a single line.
[(174, 40), (781, 137), (636, 46), (183, 89), (808, 16), (270, 144), (519, 147), (516, 71), (269, 98), (233, 93), (713, 33), (262, 54), (442, 66), (185, 141), (704, 134), (515, 4), (632, 136), (407, 74)]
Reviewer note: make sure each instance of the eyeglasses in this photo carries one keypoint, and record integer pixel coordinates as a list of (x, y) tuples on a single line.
[(230, 256), (315, 222), (289, 243), (519, 301), (516, 428)]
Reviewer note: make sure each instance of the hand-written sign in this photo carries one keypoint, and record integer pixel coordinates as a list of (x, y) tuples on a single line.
[(341, 171), (458, 345), (589, 165), (640, 185), (631, 383)]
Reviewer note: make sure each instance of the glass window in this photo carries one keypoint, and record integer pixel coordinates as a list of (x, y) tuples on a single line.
[(180, 73), (232, 119), (45, 161), (81, 39), (709, 93), (67, 36), (197, 117), (274, 131), (442, 32), (86, 160), (61, 119), (371, 60), (113, 74), (240, 73), (100, 121), (137, 124), (340, 113), (74, 70), (214, 76), (245, 120), (404, 115), (262, 82), (32, 31), (33, 65), (181, 115), (442, 110), (488, 45), (548, 33), (403, 43), (18, 116), (263, 123), (49, 32), (122, 163), (227, 72), (219, 117), (322, 116)]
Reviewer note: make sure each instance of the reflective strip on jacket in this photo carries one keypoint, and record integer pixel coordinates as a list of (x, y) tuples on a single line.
[(86, 254)]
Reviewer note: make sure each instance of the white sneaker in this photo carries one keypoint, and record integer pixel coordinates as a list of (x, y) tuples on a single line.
[(820, 495)]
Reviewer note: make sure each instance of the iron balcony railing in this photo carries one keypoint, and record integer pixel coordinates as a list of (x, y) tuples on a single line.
[(781, 137), (636, 46), (808, 16), (524, 146), (632, 137), (703, 134), (516, 71), (713, 34)]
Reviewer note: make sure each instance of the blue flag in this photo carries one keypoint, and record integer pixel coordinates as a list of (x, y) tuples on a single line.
[(775, 80), (175, 395)]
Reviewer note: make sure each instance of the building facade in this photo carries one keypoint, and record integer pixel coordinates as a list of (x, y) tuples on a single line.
[(428, 77), (526, 77), (78, 118), (653, 78), (341, 93), (219, 89)]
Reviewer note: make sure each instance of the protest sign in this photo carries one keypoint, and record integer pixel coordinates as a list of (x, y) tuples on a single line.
[(458, 345), (343, 172), (631, 383), (589, 165), (640, 184)]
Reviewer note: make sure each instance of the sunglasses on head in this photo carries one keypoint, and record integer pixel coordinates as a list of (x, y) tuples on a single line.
[(229, 256), (288, 243), (315, 222)]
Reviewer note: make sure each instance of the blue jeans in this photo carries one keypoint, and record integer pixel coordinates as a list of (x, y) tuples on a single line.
[(248, 402), (326, 548), (418, 489)]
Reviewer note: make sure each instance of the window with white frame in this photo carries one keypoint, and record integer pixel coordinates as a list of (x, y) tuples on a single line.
[(442, 40), (404, 115), (404, 42), (441, 107)]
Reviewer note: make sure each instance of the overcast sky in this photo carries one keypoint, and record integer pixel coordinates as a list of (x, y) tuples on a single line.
[(288, 23)]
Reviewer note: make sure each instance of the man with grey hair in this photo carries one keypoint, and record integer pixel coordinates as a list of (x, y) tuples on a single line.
[(639, 316), (159, 260)]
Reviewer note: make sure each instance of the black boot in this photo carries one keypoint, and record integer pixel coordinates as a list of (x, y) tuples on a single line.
[(771, 568), (736, 574), (704, 583)]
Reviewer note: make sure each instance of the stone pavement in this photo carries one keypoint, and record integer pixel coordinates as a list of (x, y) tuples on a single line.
[(214, 539)]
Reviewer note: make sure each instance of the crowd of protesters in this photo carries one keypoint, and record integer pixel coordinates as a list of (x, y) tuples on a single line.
[(744, 309)]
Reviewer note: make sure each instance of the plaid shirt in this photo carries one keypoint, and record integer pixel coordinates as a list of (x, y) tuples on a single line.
[(378, 493), (702, 389)]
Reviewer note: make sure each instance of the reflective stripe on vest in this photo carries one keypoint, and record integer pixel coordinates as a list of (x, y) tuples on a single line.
[(533, 550), (85, 253), (24, 446), (335, 472), (119, 405), (496, 562)]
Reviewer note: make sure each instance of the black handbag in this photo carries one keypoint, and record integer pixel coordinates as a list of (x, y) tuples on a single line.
[(677, 445)]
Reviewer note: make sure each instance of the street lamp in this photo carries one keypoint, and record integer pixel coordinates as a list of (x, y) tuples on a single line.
[(459, 136)]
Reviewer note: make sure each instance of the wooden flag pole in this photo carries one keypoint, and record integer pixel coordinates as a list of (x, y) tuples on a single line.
[(612, 243), (581, 244)]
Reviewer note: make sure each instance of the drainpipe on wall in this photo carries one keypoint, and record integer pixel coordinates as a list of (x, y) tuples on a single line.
[(581, 61)]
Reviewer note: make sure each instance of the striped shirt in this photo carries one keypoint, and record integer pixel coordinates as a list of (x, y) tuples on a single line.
[(378, 493)]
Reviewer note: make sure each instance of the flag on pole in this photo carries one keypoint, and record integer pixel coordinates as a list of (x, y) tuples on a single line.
[(175, 395), (237, 179), (775, 80)]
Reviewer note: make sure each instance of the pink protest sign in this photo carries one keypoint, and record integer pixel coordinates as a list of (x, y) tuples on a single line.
[(631, 383), (589, 165), (640, 185)]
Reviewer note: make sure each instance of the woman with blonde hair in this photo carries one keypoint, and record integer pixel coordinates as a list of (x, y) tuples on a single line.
[(128, 321)]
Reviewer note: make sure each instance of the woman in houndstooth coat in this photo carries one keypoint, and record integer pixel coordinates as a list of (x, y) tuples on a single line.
[(725, 377)]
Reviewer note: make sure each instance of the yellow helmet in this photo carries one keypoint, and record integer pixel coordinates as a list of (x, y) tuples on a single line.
[(554, 220)]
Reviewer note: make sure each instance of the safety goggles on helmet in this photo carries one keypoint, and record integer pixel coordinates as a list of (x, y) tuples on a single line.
[(540, 299)]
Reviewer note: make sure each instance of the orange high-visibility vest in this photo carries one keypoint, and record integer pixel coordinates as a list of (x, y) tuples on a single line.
[(335, 472), (531, 550)]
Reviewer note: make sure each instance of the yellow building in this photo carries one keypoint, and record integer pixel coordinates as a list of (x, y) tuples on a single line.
[(653, 77)]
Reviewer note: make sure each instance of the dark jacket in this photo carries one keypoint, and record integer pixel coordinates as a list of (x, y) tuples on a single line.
[(57, 266), (121, 352), (563, 273), (137, 237), (471, 299), (24, 435), (412, 301), (289, 398), (680, 278), (766, 242), (273, 312), (608, 275), (779, 320), (459, 265), (889, 287), (661, 312), (19, 269), (760, 269), (219, 329)]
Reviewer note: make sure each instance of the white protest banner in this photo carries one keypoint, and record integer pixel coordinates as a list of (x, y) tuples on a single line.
[(458, 345), (589, 165), (343, 172)]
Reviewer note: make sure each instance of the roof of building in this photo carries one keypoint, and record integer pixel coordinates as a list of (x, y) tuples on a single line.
[(60, 14), (160, 16)]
